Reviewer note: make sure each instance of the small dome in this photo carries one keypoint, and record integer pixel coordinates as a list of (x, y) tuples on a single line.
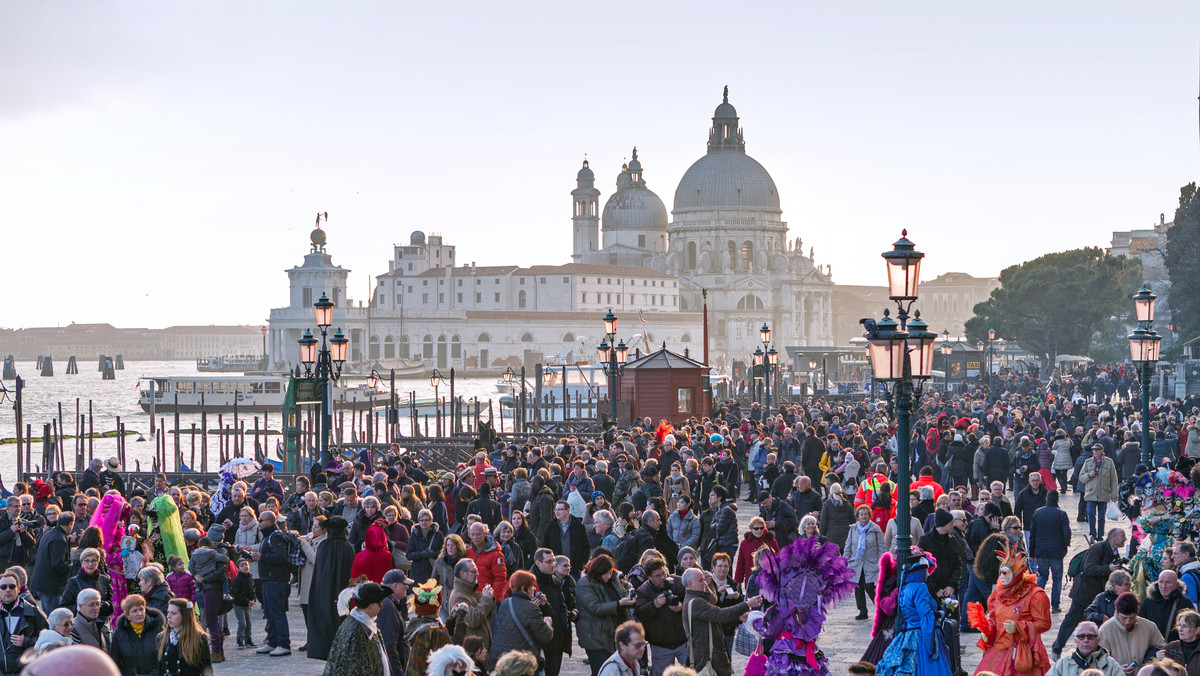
[(726, 109), (417, 238), (634, 207), (585, 174)]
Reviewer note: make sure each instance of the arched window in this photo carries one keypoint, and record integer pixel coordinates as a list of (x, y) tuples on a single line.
[(427, 346), (569, 337), (527, 337), (733, 256), (455, 348), (685, 338), (750, 302), (521, 299), (389, 348), (747, 254), (483, 338)]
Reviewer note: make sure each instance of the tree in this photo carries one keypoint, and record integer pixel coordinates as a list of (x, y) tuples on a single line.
[(1183, 261), (1055, 304)]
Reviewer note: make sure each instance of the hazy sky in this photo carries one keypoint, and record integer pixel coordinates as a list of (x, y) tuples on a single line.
[(161, 162)]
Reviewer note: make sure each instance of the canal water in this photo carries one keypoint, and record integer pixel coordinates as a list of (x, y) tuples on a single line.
[(119, 398)]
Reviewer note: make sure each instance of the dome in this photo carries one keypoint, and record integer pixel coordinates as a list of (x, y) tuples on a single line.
[(585, 174), (417, 238), (635, 207), (726, 109), (726, 179)]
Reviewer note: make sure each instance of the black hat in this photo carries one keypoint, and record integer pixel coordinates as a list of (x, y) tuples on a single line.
[(370, 592), (336, 523), (942, 517)]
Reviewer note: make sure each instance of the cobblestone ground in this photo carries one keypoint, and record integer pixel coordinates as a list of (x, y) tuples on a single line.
[(843, 640)]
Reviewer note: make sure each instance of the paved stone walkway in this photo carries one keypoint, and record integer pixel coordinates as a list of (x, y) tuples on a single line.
[(843, 640)]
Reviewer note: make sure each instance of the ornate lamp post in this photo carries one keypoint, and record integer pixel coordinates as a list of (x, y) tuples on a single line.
[(613, 360), (1144, 344), (901, 355), (324, 364), (766, 357), (947, 349)]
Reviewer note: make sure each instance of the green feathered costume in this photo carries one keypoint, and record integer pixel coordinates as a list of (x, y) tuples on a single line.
[(166, 515)]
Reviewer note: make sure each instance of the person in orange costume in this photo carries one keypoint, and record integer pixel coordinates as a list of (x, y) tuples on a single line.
[(1018, 613)]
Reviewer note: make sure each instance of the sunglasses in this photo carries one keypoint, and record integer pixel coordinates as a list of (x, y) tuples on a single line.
[(8, 586), (1087, 636)]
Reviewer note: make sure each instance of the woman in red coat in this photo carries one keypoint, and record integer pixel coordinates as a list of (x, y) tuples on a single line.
[(758, 537), (375, 560)]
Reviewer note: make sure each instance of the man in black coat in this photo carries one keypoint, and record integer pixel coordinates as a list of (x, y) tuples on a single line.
[(1100, 561), (812, 451), (1163, 603), (804, 499), (603, 481), (20, 624), (331, 574), (53, 565), (1049, 536), (944, 580), (552, 587), (392, 619), (567, 536), (781, 488), (16, 542), (780, 517)]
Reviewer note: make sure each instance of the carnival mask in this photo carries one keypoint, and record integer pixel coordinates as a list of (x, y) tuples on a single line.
[(1006, 576)]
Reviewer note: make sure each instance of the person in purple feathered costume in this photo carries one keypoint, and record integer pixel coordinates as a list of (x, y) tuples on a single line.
[(801, 582)]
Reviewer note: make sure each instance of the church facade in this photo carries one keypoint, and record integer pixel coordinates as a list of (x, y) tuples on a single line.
[(725, 240)]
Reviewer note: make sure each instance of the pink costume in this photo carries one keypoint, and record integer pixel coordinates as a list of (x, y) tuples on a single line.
[(111, 517)]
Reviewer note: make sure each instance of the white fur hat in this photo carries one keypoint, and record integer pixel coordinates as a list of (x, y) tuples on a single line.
[(446, 656)]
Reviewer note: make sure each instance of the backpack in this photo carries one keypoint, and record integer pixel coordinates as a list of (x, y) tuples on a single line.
[(1075, 567), (294, 554), (625, 553)]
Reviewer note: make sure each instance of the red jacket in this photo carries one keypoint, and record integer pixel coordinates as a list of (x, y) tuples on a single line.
[(866, 496), (938, 491), (375, 560), (491, 567), (745, 554), (480, 468)]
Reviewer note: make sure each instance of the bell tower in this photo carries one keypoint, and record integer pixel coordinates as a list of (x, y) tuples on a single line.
[(585, 214)]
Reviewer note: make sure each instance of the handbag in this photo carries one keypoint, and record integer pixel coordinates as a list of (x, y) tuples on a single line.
[(708, 669), (746, 640), (400, 560)]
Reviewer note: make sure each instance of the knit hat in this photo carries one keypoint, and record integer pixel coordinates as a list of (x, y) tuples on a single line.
[(596, 494), (942, 517), (686, 550)]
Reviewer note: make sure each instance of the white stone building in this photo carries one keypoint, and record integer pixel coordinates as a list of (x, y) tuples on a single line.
[(726, 238)]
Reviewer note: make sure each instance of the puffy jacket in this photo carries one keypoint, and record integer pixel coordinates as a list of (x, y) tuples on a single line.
[(100, 582), (505, 634), (725, 526), (599, 612), (1162, 610), (208, 565), (683, 529), (1062, 455), (137, 654), (519, 495), (423, 547), (1103, 607), (492, 570)]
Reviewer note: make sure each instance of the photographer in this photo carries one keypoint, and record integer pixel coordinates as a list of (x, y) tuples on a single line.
[(660, 609), (16, 542), (1101, 560)]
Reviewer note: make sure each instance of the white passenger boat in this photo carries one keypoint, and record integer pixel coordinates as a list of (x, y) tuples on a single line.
[(217, 394)]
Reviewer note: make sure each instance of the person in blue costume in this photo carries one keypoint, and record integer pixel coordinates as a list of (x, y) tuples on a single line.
[(918, 648)]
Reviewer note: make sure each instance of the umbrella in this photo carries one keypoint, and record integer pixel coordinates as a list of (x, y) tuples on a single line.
[(240, 467)]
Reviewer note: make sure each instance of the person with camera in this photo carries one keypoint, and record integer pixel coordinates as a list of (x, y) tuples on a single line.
[(704, 619), (1100, 561), (553, 592), (660, 609), (52, 568), (602, 597), (16, 540)]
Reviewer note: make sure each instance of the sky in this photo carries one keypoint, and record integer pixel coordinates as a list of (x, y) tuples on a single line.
[(162, 163)]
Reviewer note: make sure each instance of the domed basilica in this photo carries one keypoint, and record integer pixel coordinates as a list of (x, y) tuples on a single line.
[(726, 237)]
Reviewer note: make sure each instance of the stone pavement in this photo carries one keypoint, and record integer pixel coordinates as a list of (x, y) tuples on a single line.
[(843, 640)]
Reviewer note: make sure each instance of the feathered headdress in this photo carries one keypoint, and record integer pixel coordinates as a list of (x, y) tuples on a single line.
[(427, 597), (664, 428), (1012, 558)]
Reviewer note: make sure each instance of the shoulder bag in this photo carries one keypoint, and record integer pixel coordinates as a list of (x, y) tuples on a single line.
[(533, 646), (708, 669)]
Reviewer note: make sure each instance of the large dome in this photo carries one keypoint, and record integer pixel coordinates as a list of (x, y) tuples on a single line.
[(726, 179)]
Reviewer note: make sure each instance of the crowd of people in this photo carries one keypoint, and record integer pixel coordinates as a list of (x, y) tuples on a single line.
[(627, 546)]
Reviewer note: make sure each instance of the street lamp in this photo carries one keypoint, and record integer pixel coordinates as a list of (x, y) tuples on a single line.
[(946, 349), (1144, 345), (901, 355), (613, 356), (324, 364)]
